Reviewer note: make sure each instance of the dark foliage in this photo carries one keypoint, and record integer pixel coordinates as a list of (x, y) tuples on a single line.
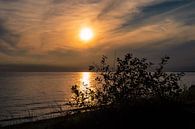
[(135, 80)]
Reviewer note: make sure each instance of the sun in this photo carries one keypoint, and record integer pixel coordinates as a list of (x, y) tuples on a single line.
[(86, 34)]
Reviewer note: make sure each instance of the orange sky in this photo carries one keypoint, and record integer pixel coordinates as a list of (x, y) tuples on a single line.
[(46, 32)]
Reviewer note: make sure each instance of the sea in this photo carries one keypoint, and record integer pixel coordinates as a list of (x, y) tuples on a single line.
[(30, 96)]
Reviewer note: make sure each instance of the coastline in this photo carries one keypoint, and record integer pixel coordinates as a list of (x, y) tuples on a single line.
[(142, 117)]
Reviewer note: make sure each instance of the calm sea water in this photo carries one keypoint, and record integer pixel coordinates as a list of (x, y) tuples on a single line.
[(24, 94), (42, 93)]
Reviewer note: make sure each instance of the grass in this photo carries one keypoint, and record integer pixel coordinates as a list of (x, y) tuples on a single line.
[(135, 117)]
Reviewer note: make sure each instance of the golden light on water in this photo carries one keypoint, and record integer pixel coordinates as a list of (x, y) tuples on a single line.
[(85, 79), (86, 34)]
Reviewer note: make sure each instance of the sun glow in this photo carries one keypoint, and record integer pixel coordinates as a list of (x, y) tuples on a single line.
[(86, 34)]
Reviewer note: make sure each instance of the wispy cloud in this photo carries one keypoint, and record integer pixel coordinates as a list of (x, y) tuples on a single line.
[(46, 31)]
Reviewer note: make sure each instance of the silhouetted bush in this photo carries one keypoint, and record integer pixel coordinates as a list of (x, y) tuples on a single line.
[(133, 80)]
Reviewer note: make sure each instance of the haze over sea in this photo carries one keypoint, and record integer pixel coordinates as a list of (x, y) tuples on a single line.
[(44, 93)]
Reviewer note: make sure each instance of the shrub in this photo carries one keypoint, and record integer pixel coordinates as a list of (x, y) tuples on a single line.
[(134, 79)]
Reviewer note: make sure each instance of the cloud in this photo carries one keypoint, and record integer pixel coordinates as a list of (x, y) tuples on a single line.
[(8, 40), (156, 12), (46, 31), (8, 1), (182, 57), (109, 6), (6, 35)]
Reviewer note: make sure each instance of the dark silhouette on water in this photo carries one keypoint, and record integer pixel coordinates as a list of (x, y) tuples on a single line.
[(133, 81), (137, 94)]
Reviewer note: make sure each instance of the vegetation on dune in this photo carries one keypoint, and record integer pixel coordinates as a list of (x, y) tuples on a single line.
[(133, 81), (136, 94)]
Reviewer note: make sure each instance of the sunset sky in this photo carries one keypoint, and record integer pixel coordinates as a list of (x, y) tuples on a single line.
[(39, 33)]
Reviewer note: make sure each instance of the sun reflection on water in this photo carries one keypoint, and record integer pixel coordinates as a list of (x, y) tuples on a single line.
[(85, 79)]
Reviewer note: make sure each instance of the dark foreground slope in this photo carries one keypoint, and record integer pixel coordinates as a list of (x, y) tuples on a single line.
[(141, 117)]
